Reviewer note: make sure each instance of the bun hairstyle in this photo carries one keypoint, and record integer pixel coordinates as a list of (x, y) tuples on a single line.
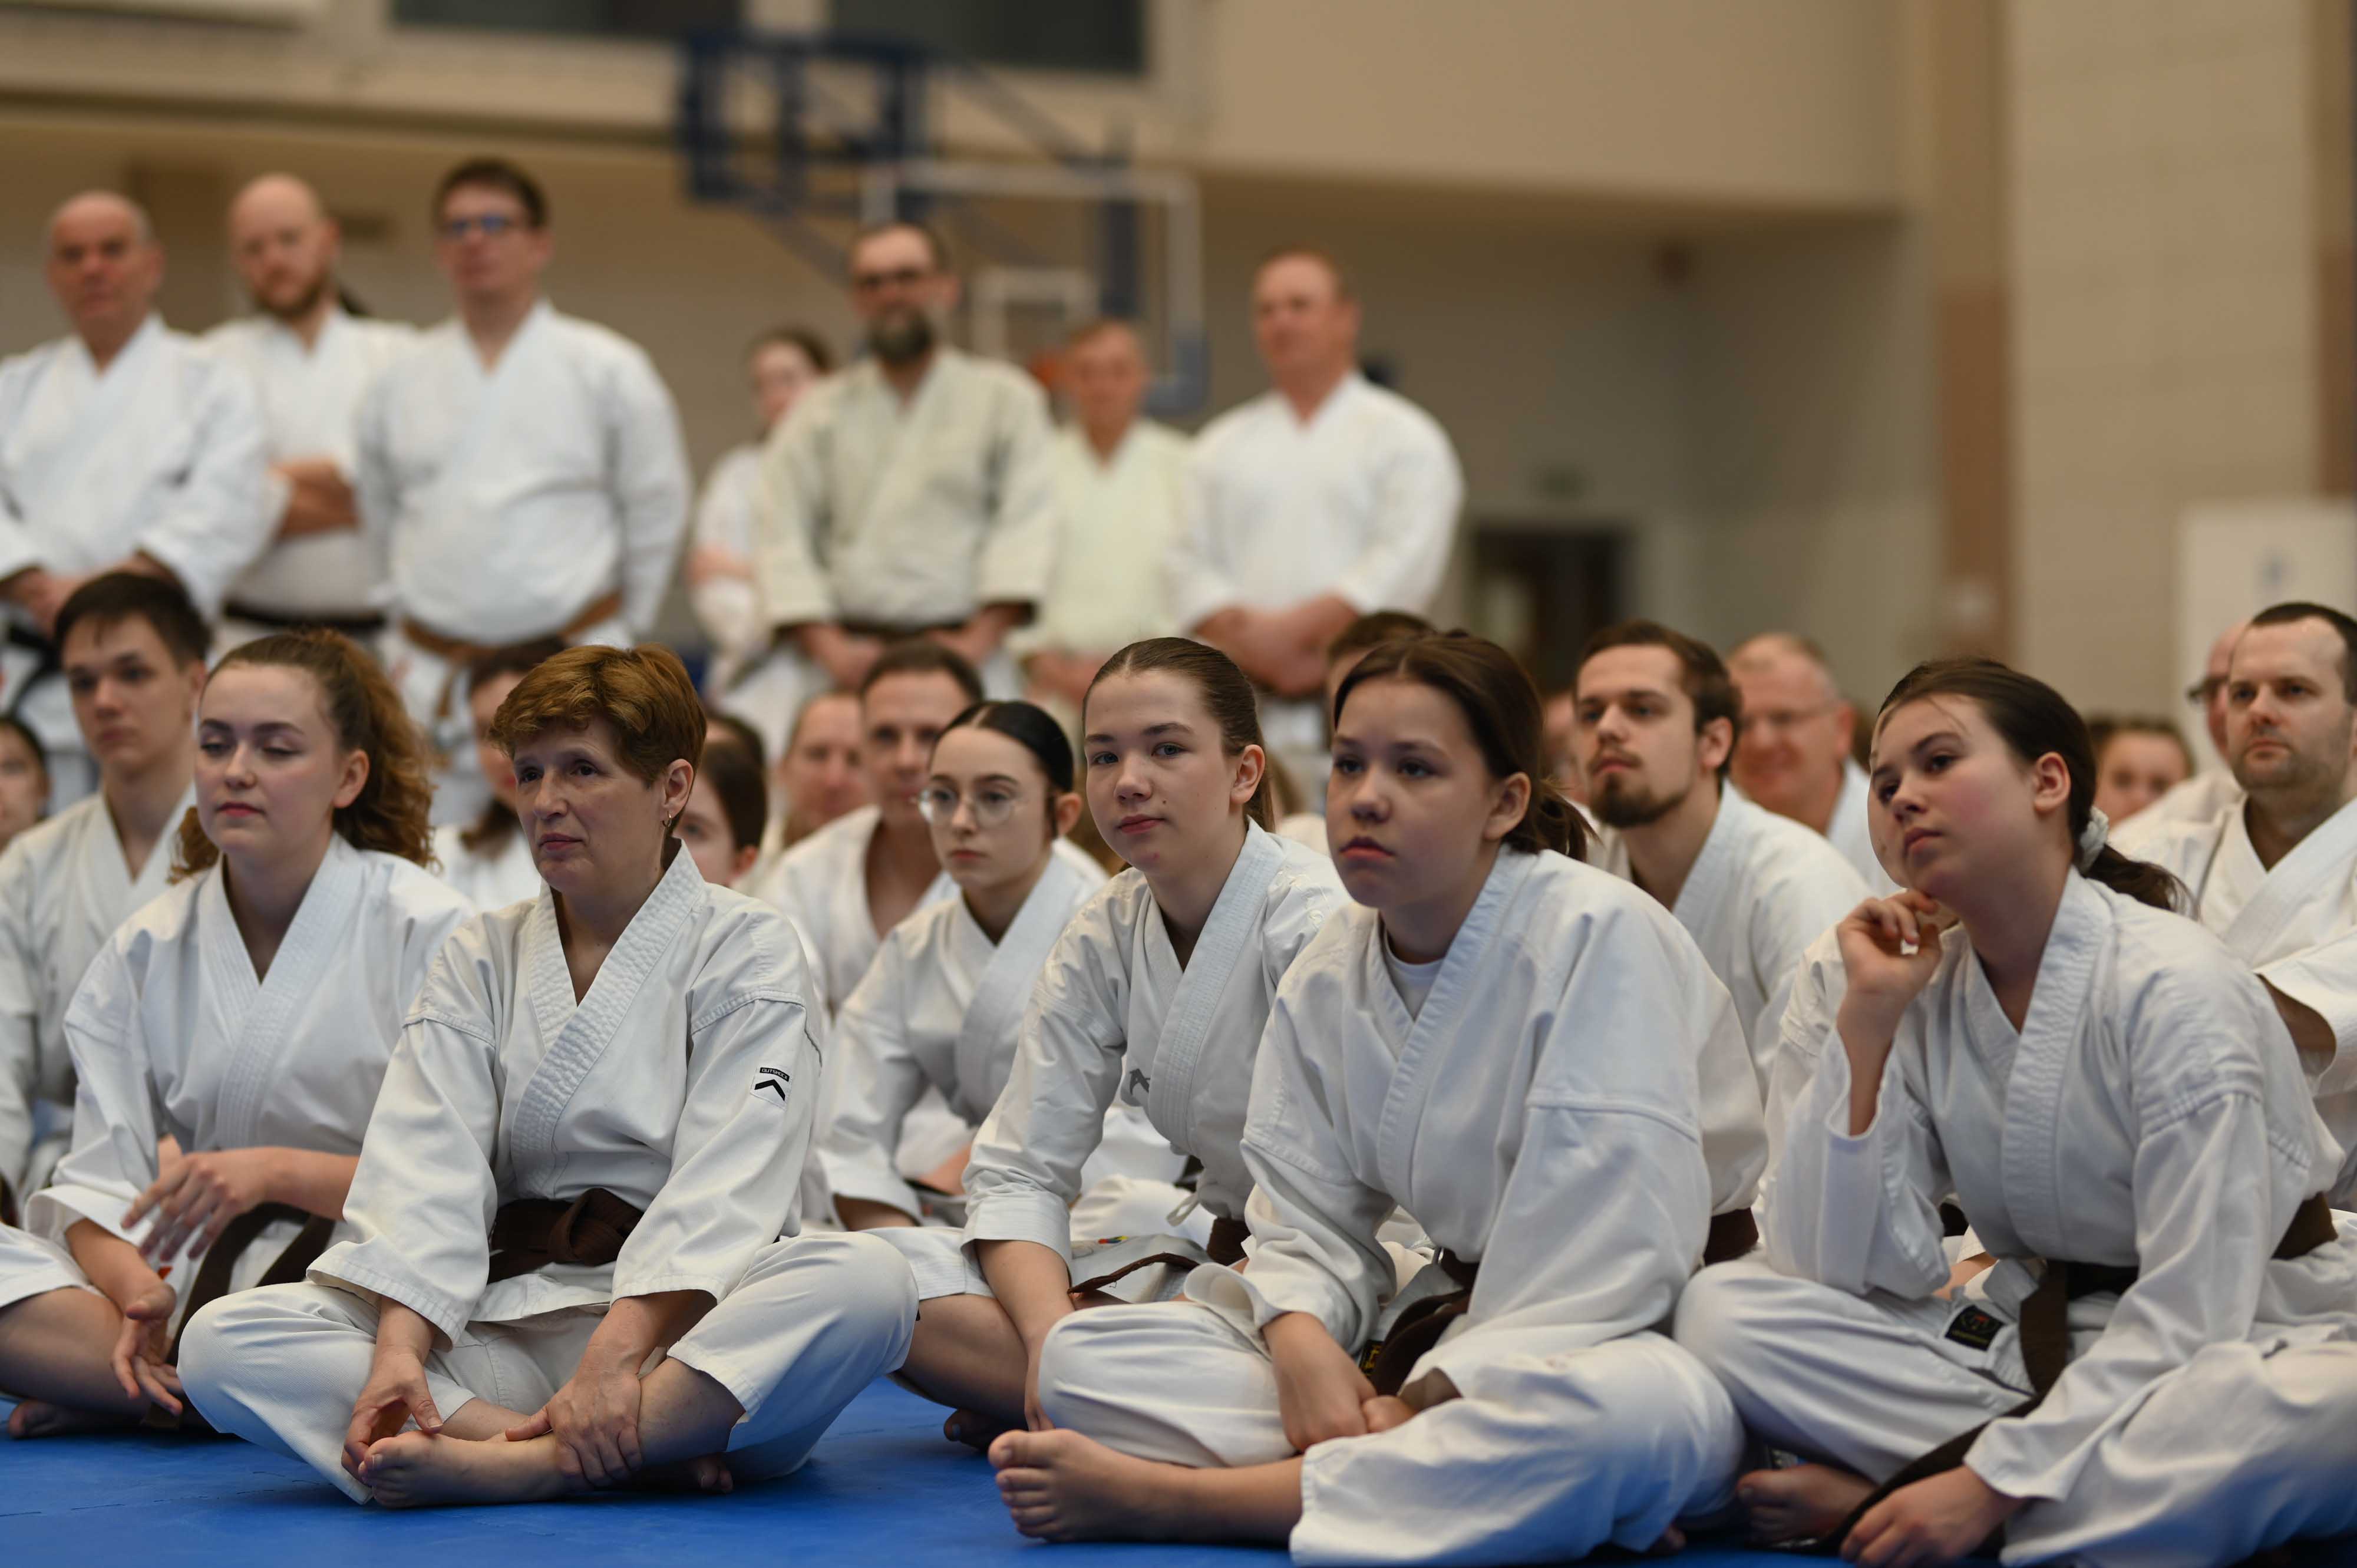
[(1031, 727), (1227, 692), (1500, 707), (391, 814), (2035, 721)]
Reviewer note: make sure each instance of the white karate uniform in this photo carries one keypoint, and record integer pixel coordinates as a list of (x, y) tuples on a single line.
[(2210, 793), (940, 1009), (1760, 891), (1116, 1016), (1548, 1112), (488, 879), (509, 500), (2295, 924), (750, 677), (1361, 499), (683, 1082), (172, 1034), (1306, 828), (2150, 1113), (1849, 830), (1119, 523), (310, 400), (161, 455), (64, 888), (907, 514)]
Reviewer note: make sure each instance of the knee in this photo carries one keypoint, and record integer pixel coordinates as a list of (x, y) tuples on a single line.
[(851, 1275), (1081, 1359), (1720, 1314), (210, 1343)]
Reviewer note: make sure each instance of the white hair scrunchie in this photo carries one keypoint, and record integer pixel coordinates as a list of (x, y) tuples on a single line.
[(2092, 837)]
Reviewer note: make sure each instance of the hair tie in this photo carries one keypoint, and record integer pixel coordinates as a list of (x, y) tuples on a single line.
[(2092, 837)]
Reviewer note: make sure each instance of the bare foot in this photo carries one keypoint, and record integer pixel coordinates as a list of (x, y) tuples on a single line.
[(709, 1476), (1807, 1502), (36, 1418), (1061, 1485), (411, 1470), (1386, 1411), (974, 1430), (1672, 1542)]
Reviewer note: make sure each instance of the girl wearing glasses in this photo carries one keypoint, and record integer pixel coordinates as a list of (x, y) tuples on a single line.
[(1154, 996), (942, 1004)]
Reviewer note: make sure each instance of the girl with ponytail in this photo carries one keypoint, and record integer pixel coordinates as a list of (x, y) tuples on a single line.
[(1154, 996), (2158, 1367), (1531, 1057)]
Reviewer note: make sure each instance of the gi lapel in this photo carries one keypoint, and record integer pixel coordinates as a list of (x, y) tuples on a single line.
[(56, 482), (2282, 917), (1234, 927), (590, 1026), (263, 1009), (985, 1042), (2031, 1158)]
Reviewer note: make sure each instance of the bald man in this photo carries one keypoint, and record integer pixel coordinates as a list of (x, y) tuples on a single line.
[(1794, 756), (2214, 790), (124, 446), (1117, 484), (1325, 499), (309, 361)]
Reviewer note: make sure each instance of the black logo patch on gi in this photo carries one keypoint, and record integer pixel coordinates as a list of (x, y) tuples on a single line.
[(1139, 1084), (774, 1080), (1976, 1328)]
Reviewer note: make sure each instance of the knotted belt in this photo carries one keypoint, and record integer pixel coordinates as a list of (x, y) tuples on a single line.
[(1422, 1317), (211, 1282), (2045, 1326), (532, 1233), (1226, 1247)]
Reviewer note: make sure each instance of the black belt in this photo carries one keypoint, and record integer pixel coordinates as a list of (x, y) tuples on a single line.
[(533, 1232), (50, 664), (2046, 1341), (356, 626)]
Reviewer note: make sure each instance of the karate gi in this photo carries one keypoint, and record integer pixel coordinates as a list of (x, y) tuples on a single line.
[(656, 1086), (172, 1034), (2150, 1113), (1119, 523), (511, 501), (1115, 1017), (489, 878), (1566, 1107), (310, 400), (64, 888), (161, 455), (761, 681), (1850, 833), (1763, 889), (1361, 500), (2208, 794), (2296, 924), (940, 1009)]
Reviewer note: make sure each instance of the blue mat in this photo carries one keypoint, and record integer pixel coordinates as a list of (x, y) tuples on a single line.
[(883, 1490)]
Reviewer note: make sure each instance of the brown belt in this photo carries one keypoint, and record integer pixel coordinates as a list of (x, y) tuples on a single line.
[(533, 1232), (458, 654), (211, 1282), (1388, 1361), (2046, 1339)]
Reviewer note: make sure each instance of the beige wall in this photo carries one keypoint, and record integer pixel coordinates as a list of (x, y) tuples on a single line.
[(2164, 285)]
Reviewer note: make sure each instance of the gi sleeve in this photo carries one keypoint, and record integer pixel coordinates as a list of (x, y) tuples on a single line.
[(20, 1019), (19, 549), (1856, 1213), (1801, 903), (1418, 492), (872, 1081), (729, 607), (2324, 977), (2208, 1217), (424, 1197), (647, 471), (1025, 1171), (1019, 551), (115, 1109), (741, 1145), (794, 515), (219, 518)]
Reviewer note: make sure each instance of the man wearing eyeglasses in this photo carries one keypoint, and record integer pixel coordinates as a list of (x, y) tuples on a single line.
[(1794, 756), (2214, 790), (123, 447), (522, 469), (913, 494), (309, 360)]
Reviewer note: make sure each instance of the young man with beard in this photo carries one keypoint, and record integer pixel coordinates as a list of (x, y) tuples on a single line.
[(2275, 874), (1658, 719), (911, 495), (310, 361)]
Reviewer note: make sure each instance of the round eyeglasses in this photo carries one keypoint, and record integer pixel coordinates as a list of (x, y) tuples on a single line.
[(992, 804)]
